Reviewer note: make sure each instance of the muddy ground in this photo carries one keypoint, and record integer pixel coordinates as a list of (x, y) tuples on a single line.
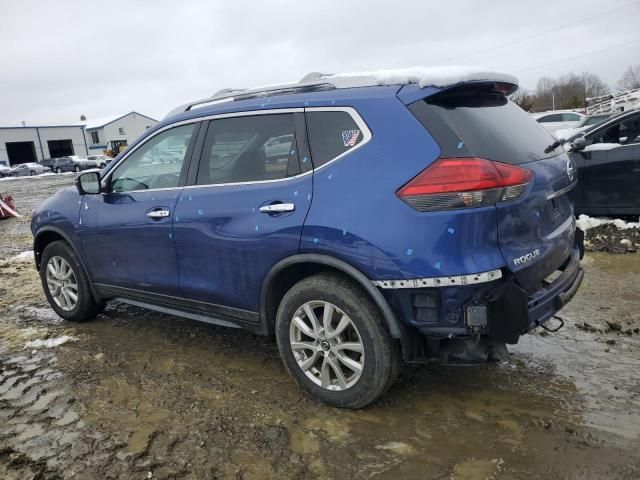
[(143, 395)]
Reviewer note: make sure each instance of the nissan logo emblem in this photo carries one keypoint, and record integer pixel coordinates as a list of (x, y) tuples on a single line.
[(571, 170)]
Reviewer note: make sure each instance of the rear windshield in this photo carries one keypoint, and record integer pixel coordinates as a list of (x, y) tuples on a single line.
[(487, 125)]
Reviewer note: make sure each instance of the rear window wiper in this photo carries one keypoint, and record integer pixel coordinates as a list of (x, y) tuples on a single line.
[(554, 145)]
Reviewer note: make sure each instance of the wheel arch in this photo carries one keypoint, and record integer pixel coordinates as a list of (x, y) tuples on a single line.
[(284, 274), (47, 235)]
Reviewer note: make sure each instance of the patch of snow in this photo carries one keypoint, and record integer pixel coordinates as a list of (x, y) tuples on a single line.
[(596, 147), (586, 222), (49, 342), (23, 257), (430, 76), (44, 315), (100, 121)]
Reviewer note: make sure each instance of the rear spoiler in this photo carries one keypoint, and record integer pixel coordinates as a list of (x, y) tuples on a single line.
[(412, 93)]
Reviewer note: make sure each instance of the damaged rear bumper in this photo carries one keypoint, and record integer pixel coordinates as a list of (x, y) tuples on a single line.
[(515, 311)]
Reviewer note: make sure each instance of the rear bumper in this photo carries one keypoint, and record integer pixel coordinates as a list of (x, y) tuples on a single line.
[(516, 312), (549, 300), (511, 309)]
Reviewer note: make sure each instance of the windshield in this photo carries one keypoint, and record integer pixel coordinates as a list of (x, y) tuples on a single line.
[(594, 120)]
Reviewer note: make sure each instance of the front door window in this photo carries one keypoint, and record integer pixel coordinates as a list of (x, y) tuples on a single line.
[(158, 163)]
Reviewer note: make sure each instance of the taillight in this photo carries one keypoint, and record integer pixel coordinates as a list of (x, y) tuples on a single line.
[(452, 183)]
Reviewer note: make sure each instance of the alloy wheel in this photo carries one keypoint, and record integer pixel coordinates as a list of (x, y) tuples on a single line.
[(326, 345), (62, 283)]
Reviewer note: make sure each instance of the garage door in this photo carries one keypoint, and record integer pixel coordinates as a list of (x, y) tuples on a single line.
[(21, 152), (60, 148)]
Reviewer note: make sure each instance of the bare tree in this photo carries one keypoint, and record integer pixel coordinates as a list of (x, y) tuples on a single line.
[(567, 91), (593, 85), (523, 99), (630, 78)]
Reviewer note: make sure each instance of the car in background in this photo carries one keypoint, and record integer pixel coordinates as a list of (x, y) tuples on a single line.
[(557, 119), (608, 163), (5, 171), (83, 163), (278, 148), (47, 162), (64, 164), (585, 123), (100, 161), (29, 169)]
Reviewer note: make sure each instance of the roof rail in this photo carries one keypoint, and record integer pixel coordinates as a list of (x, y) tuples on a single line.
[(314, 77), (312, 82), (446, 76)]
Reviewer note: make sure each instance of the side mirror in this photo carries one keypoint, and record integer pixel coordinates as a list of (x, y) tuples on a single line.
[(578, 144), (88, 183)]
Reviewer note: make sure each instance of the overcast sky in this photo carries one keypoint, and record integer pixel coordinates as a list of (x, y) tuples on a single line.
[(59, 59)]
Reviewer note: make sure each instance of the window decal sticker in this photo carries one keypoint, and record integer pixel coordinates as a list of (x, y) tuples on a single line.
[(350, 137)]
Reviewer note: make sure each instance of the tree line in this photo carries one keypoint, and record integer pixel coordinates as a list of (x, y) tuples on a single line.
[(571, 91)]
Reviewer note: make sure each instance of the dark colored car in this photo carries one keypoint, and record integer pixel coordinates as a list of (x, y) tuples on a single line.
[(65, 164), (405, 223), (84, 164), (608, 162), (48, 162)]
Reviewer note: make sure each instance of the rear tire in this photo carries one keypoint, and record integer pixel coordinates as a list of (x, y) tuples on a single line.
[(364, 352), (58, 170), (76, 169), (60, 287)]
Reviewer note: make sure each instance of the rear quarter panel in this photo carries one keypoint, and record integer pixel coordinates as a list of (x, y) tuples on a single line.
[(356, 216)]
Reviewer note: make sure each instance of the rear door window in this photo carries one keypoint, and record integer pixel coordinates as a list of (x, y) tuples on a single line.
[(570, 117), (249, 149), (331, 134)]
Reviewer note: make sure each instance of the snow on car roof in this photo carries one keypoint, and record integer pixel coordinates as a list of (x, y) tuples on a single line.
[(430, 76)]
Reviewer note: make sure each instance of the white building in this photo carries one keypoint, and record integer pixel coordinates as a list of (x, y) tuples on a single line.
[(34, 143), (115, 131)]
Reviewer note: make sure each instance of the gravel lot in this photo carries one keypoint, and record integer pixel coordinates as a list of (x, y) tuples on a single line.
[(141, 395)]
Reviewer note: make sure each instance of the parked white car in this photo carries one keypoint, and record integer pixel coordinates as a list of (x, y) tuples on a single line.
[(100, 161), (557, 119), (586, 122)]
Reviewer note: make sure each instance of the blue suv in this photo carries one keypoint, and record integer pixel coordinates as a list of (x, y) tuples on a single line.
[(361, 222)]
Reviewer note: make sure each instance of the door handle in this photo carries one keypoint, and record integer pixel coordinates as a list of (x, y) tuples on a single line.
[(159, 213), (278, 208)]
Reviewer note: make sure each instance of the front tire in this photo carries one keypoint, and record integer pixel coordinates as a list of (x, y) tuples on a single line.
[(66, 285), (333, 342), (76, 169), (58, 170)]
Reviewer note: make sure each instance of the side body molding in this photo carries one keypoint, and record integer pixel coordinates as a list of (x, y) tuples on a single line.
[(350, 271)]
